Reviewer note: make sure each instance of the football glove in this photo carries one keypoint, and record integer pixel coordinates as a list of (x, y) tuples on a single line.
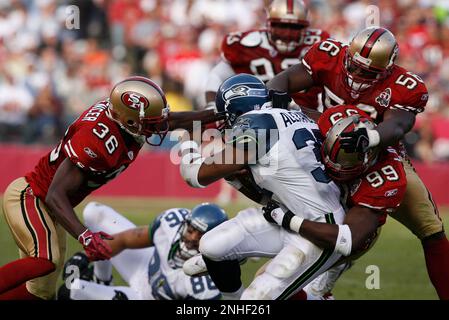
[(271, 205), (95, 246), (279, 99), (359, 140)]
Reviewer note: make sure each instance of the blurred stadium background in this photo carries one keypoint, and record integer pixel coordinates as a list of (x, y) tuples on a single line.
[(50, 73)]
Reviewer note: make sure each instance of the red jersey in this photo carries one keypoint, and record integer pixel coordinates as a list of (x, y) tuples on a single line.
[(400, 90), (382, 187), (251, 52), (94, 143)]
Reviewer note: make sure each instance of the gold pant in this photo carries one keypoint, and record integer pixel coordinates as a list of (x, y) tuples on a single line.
[(35, 233)]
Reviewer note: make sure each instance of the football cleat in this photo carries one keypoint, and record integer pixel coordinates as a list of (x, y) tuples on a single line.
[(81, 262), (195, 266)]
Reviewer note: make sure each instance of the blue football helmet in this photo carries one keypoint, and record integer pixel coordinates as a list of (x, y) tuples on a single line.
[(240, 94), (201, 219)]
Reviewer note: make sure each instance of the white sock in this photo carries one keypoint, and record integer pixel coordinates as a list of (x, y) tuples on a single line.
[(233, 295), (103, 270)]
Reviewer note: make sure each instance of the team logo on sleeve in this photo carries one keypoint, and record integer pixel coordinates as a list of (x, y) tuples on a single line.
[(391, 193), (90, 153), (134, 100), (384, 98)]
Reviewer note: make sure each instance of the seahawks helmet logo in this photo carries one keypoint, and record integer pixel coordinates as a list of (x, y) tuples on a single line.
[(243, 90), (238, 91)]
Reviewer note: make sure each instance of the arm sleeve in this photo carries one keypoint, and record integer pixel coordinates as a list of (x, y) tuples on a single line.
[(386, 197), (412, 100), (86, 152), (316, 60)]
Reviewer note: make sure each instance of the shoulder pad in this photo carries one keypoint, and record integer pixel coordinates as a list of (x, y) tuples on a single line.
[(254, 130), (252, 39)]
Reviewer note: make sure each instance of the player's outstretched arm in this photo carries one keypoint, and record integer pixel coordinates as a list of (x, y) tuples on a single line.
[(199, 172), (292, 80), (66, 182), (395, 125), (358, 227), (184, 120), (135, 238), (389, 132)]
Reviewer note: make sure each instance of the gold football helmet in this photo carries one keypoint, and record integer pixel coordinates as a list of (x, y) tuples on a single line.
[(286, 21), (139, 107), (369, 58), (341, 165)]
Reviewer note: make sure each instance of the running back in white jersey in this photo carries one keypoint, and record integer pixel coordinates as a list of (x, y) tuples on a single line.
[(290, 165), (165, 274)]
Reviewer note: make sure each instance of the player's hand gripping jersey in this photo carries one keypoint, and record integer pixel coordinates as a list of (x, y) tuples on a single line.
[(251, 52), (165, 275), (95, 144), (401, 90)]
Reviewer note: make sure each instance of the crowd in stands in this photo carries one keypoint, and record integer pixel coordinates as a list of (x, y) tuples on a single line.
[(53, 66)]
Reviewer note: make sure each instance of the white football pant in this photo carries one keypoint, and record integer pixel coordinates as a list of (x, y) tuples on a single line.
[(296, 261), (132, 265)]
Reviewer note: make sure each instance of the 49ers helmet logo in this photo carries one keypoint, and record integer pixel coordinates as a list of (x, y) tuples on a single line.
[(134, 100)]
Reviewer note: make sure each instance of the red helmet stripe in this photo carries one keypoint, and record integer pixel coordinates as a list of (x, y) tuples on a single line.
[(290, 6), (366, 50)]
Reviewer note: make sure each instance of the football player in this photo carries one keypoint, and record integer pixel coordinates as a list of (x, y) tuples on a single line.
[(96, 148), (365, 74), (280, 149), (374, 185), (267, 52), (153, 268)]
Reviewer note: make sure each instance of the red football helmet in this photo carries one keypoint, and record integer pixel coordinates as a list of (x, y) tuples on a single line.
[(286, 21), (138, 105), (369, 58), (341, 165)]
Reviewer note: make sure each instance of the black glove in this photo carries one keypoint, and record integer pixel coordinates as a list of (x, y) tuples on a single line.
[(355, 141), (271, 205), (279, 99)]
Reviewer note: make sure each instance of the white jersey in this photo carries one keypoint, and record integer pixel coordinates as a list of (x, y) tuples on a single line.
[(167, 281), (289, 163)]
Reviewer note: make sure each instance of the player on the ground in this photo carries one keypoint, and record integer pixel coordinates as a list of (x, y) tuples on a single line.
[(280, 149), (153, 268), (365, 74), (266, 52), (96, 148), (373, 185)]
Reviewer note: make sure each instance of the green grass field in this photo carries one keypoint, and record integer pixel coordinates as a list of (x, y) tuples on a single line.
[(397, 253)]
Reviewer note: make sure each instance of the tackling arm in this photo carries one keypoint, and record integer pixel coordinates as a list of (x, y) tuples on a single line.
[(292, 80), (359, 225), (395, 125), (184, 120), (66, 182)]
